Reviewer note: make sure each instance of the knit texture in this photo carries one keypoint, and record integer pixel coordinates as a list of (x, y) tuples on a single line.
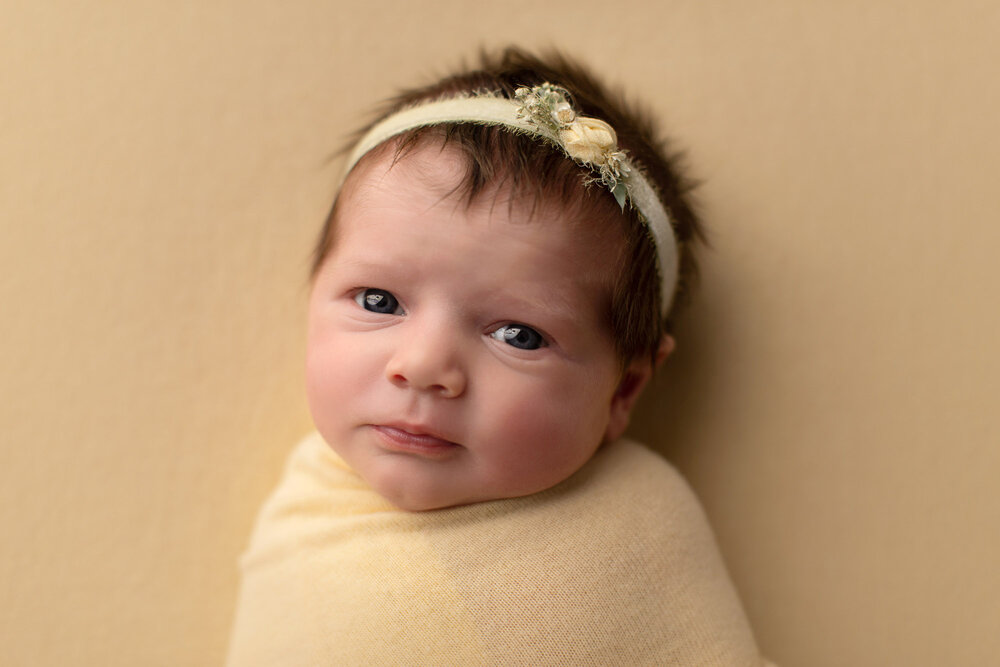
[(614, 566)]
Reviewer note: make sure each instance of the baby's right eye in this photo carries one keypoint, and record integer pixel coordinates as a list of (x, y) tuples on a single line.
[(378, 301), (519, 336)]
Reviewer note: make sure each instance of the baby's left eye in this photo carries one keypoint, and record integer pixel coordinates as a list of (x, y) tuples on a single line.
[(519, 336), (378, 301)]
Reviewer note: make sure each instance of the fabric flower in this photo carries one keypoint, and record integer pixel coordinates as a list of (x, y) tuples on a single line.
[(588, 140), (563, 113)]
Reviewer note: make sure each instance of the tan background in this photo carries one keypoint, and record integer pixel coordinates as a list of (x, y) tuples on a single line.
[(163, 170)]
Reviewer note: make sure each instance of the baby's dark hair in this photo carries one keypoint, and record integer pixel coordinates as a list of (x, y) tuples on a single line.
[(496, 155)]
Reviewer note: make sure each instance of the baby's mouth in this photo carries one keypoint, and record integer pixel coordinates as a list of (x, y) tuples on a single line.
[(413, 439)]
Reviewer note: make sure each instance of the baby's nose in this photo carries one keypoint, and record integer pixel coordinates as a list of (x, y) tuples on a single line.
[(428, 361)]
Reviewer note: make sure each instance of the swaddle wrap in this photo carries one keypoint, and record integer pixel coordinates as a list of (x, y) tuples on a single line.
[(614, 566)]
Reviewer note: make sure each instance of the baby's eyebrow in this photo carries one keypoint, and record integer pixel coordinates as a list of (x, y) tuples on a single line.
[(553, 304), (366, 265)]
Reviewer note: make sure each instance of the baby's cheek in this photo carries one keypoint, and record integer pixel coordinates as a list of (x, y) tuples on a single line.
[(539, 441), (326, 380), (520, 412)]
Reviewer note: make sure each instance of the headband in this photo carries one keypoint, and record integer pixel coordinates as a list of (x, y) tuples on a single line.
[(544, 111)]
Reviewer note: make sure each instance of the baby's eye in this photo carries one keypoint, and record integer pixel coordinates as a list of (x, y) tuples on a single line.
[(519, 336), (378, 301)]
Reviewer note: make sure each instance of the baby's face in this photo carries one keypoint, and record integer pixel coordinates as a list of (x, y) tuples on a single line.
[(455, 354)]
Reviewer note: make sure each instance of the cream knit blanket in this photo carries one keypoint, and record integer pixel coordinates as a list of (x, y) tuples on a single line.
[(615, 566)]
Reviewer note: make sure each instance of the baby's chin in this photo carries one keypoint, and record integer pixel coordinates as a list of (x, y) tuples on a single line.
[(414, 500), (411, 501), (408, 483)]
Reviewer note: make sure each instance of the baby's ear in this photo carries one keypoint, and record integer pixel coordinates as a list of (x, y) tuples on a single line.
[(633, 381)]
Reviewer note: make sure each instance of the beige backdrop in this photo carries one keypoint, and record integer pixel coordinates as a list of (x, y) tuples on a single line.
[(163, 170)]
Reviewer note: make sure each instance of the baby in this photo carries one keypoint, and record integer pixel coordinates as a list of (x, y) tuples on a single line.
[(492, 291)]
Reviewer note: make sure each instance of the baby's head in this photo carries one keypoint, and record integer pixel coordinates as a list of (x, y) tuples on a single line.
[(484, 314)]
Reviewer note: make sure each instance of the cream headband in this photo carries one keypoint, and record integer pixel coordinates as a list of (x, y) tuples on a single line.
[(544, 111)]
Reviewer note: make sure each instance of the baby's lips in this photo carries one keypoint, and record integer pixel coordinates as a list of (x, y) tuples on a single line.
[(414, 439)]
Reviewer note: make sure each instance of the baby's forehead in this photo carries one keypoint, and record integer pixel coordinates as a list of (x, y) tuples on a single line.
[(429, 175), (421, 171)]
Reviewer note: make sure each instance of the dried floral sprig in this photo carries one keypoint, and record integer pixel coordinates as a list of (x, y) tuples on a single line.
[(589, 141)]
